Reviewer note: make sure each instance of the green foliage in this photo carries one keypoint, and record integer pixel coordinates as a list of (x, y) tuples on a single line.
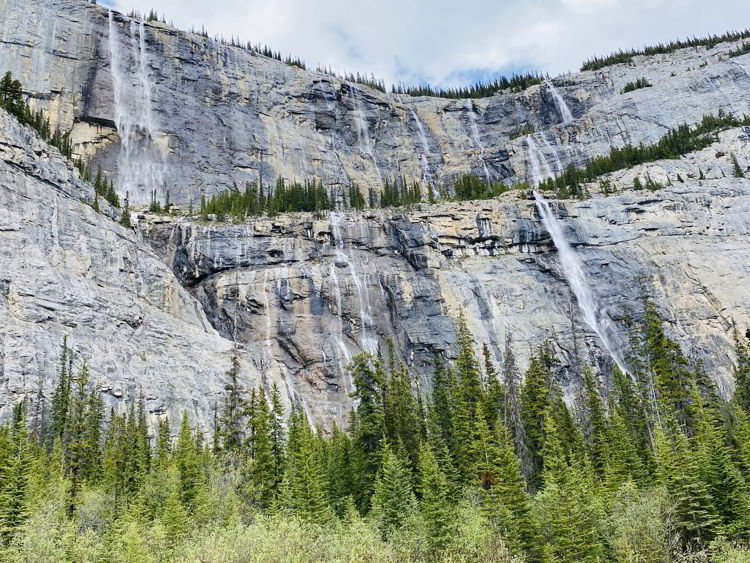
[(494, 471), (637, 85), (743, 49), (393, 500), (469, 187), (516, 83), (677, 142), (662, 48)]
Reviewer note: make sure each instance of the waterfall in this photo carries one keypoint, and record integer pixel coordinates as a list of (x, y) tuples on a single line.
[(426, 175), (140, 167), (573, 269), (363, 130), (553, 150), (477, 141), (562, 107), (538, 165), (368, 340)]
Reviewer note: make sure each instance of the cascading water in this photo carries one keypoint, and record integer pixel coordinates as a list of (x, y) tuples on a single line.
[(368, 340), (573, 269), (538, 166), (363, 131), (426, 174), (477, 141), (560, 104), (140, 166), (553, 151)]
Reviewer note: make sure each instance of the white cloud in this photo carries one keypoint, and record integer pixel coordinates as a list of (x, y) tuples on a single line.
[(444, 42)]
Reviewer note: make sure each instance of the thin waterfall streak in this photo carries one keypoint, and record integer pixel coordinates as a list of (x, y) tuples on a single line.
[(574, 273), (477, 140)]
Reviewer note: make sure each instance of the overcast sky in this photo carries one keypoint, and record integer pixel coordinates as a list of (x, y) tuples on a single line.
[(449, 43)]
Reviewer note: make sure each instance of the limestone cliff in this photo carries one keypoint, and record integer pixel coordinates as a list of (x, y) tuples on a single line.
[(202, 117)]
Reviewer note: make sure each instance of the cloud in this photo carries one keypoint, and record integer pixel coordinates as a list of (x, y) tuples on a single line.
[(445, 42)]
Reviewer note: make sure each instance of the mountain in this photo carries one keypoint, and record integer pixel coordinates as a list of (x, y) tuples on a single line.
[(162, 307)]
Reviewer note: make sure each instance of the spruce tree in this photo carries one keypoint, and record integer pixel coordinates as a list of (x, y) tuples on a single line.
[(263, 470), (435, 504), (393, 500), (187, 461), (234, 409), (370, 428), (596, 423), (15, 473), (535, 398)]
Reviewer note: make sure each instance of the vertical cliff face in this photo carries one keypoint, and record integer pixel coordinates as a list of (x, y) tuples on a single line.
[(206, 117)]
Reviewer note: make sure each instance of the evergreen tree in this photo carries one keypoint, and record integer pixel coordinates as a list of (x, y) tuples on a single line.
[(263, 467), (370, 427), (569, 522), (596, 423), (393, 500), (234, 409), (435, 503), (694, 514), (187, 461), (15, 473), (277, 438), (535, 399)]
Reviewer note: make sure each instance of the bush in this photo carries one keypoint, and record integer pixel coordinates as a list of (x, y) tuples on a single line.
[(637, 85)]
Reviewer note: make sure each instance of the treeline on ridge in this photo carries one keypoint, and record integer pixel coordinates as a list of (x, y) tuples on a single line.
[(626, 56), (675, 143)]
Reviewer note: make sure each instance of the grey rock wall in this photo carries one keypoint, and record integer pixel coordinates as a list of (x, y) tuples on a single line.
[(221, 116)]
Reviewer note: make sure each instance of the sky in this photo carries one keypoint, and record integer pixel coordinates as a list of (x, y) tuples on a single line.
[(450, 43)]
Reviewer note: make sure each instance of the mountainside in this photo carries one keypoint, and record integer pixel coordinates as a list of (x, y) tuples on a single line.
[(161, 307), (197, 117)]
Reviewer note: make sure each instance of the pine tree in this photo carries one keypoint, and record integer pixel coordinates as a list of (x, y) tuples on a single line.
[(61, 396), (596, 423), (435, 503), (303, 489), (505, 501), (393, 500), (569, 522), (370, 428), (15, 473), (76, 429), (495, 400), (187, 461), (234, 409), (263, 470), (694, 514), (340, 478), (535, 398), (277, 438)]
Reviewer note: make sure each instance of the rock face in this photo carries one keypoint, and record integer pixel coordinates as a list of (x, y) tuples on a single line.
[(208, 117), (162, 307), (68, 270)]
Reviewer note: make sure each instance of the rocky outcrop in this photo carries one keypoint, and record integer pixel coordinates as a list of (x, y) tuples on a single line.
[(67, 270), (306, 292), (218, 116)]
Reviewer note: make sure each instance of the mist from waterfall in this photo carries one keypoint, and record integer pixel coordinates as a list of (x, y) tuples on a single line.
[(477, 140), (140, 166), (573, 270), (560, 104)]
